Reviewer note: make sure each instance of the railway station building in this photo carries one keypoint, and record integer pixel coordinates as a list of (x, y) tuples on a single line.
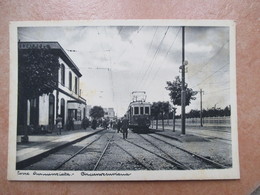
[(65, 100)]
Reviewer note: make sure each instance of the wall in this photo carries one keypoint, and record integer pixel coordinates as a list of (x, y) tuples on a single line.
[(66, 85), (44, 110), (246, 15)]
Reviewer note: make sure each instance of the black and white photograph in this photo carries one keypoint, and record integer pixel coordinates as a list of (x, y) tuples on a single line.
[(123, 100)]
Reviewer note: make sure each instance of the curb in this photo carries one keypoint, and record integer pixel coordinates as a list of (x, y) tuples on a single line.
[(168, 136)]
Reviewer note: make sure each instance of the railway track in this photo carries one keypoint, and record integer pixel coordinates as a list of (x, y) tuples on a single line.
[(85, 148), (191, 160), (147, 167), (103, 152), (80, 151), (178, 165)]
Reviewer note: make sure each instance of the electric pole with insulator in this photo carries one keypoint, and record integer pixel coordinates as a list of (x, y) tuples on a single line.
[(201, 107), (183, 90), (173, 118)]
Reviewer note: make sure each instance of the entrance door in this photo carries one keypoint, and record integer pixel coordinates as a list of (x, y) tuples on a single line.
[(62, 110), (34, 112), (51, 110)]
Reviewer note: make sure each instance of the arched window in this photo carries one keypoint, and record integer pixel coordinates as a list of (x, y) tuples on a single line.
[(62, 74), (76, 85), (70, 81)]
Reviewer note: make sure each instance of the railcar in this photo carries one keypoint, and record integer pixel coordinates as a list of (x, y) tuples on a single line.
[(139, 116)]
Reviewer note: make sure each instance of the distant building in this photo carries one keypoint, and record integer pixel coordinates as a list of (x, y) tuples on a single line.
[(88, 108), (109, 113), (65, 99)]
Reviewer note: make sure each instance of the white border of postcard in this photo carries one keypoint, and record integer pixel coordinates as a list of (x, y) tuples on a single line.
[(13, 174)]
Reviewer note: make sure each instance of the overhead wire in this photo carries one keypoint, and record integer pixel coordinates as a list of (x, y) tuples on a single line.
[(211, 75), (156, 73), (109, 63), (212, 57), (145, 58), (217, 91), (131, 41), (149, 68)]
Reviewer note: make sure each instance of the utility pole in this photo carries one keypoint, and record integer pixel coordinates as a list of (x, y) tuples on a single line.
[(173, 119), (201, 107), (183, 91)]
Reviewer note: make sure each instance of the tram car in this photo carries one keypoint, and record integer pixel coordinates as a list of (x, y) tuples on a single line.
[(139, 115)]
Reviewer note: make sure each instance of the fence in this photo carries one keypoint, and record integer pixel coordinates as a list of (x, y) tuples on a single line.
[(207, 121)]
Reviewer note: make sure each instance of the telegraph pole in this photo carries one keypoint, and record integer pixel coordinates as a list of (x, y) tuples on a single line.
[(201, 107), (173, 118), (183, 91)]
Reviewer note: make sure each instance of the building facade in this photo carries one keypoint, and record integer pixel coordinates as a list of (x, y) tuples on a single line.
[(109, 113), (65, 100), (88, 108)]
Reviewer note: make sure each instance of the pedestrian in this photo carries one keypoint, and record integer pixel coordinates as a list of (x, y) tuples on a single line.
[(118, 125), (111, 124), (94, 124), (59, 124), (72, 123), (85, 123), (105, 124), (124, 127)]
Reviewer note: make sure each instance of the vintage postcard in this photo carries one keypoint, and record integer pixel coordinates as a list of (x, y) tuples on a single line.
[(123, 100)]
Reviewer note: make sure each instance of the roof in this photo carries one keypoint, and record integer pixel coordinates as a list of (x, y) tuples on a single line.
[(56, 48), (137, 103)]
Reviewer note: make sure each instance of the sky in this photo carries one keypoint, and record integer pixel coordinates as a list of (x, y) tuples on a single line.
[(117, 60)]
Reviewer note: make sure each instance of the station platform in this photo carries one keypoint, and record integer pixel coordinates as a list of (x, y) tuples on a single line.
[(41, 145), (193, 133), (177, 135)]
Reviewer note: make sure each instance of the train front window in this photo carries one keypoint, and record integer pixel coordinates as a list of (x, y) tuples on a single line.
[(141, 110), (146, 110), (136, 110)]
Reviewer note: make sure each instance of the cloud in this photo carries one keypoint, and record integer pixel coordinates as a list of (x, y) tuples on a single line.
[(197, 48), (126, 32), (138, 58)]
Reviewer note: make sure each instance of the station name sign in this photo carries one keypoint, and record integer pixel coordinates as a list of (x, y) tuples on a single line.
[(38, 45)]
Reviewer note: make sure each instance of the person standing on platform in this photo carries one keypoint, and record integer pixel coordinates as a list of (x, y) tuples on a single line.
[(124, 127), (59, 124), (94, 124), (118, 125)]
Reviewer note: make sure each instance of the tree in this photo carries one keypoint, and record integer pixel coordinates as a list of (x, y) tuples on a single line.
[(37, 75), (210, 112), (97, 112), (227, 111), (164, 109), (155, 111), (160, 109), (38, 72), (175, 92), (193, 114)]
